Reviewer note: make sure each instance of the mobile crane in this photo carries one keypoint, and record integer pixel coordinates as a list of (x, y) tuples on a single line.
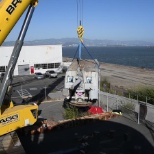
[(14, 117)]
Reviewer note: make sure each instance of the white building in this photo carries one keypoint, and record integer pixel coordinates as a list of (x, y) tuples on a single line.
[(33, 59)]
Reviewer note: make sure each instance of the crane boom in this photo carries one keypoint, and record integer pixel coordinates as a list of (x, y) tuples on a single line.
[(14, 117), (14, 57), (10, 12)]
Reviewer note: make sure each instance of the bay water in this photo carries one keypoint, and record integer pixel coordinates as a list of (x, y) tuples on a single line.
[(142, 57)]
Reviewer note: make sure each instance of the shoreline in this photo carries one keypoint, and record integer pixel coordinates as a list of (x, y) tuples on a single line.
[(126, 77)]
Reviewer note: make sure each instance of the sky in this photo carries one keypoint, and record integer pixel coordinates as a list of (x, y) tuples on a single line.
[(102, 19)]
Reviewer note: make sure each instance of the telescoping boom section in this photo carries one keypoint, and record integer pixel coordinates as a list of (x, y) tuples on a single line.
[(14, 117), (10, 13)]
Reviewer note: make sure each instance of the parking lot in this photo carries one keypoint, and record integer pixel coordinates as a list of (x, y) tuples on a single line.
[(28, 89)]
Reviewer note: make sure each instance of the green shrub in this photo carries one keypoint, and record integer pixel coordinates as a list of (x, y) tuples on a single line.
[(104, 85), (127, 107), (71, 113), (74, 112), (142, 94)]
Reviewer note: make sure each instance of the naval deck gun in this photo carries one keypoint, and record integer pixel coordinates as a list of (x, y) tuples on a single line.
[(81, 84)]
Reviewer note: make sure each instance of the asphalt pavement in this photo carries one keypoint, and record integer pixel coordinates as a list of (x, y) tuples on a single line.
[(29, 89), (52, 110)]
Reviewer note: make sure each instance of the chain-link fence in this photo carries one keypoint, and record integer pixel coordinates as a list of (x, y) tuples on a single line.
[(133, 109)]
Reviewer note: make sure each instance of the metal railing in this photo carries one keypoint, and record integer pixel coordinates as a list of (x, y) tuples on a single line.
[(133, 109)]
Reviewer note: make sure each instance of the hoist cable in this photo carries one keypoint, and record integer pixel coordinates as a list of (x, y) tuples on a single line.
[(82, 13), (77, 11), (76, 52), (80, 29), (89, 53)]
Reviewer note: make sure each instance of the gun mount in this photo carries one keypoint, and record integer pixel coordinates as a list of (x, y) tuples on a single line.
[(81, 83)]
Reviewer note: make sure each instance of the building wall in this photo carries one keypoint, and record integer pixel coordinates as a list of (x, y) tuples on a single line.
[(39, 57)]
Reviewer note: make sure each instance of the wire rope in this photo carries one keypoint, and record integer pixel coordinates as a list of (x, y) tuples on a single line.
[(75, 52), (89, 53), (80, 29), (79, 12), (77, 3)]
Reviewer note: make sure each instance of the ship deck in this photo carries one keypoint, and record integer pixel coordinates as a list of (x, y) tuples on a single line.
[(87, 65)]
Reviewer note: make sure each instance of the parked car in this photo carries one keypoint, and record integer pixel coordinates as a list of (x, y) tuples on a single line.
[(59, 69), (51, 74), (39, 75)]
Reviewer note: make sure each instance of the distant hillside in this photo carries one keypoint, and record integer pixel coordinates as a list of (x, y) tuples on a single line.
[(87, 42)]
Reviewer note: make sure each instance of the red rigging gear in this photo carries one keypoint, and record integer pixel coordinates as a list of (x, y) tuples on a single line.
[(95, 110)]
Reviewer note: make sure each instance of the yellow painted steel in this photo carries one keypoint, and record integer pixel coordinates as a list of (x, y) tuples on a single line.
[(14, 117), (17, 117), (80, 31), (10, 12)]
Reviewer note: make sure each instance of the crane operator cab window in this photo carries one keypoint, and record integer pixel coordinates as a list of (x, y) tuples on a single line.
[(70, 79), (89, 79)]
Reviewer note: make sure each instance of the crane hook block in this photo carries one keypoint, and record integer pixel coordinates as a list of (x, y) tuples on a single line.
[(80, 31)]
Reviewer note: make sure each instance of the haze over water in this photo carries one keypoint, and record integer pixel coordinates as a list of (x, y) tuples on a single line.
[(142, 57)]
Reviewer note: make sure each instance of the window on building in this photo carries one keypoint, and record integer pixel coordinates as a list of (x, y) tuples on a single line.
[(44, 66), (57, 65), (37, 66), (2, 68), (51, 65)]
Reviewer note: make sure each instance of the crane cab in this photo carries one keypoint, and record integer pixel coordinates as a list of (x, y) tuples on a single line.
[(16, 117)]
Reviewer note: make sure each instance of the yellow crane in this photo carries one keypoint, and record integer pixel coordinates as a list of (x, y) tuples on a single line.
[(14, 117)]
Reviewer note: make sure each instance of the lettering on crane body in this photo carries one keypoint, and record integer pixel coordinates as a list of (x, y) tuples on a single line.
[(13, 6), (9, 119)]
